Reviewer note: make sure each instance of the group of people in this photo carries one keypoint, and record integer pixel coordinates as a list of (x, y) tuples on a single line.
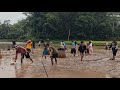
[(88, 48), (25, 51), (82, 48), (50, 50)]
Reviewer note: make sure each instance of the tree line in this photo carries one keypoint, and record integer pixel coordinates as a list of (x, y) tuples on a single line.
[(58, 25)]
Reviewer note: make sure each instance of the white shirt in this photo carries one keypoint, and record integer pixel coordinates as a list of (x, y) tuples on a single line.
[(90, 45)]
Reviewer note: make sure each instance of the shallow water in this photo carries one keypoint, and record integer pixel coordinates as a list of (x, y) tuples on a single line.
[(97, 65)]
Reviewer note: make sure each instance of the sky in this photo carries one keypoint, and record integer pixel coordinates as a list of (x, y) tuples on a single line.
[(12, 16)]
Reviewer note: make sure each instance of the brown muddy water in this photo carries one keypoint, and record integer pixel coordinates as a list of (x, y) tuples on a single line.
[(97, 65)]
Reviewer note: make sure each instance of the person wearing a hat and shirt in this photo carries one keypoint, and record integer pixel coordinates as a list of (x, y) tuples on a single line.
[(23, 53), (29, 46), (73, 48)]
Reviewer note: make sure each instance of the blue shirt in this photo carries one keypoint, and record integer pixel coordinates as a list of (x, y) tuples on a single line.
[(73, 43)]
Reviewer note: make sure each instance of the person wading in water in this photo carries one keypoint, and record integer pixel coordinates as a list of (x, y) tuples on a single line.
[(23, 53), (29, 45), (73, 48), (114, 47), (53, 54), (82, 49)]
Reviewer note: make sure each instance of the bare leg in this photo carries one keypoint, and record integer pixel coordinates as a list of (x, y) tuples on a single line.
[(52, 61), (73, 54), (55, 60), (31, 60), (82, 57), (21, 60), (113, 57)]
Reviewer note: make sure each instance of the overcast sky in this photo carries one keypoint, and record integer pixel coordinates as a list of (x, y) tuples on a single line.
[(12, 16)]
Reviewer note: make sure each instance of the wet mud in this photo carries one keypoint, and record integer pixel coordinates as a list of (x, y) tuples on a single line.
[(97, 65)]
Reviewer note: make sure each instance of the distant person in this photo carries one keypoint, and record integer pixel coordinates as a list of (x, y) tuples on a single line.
[(13, 44), (114, 47), (29, 45), (33, 47), (73, 48), (106, 46), (45, 52), (45, 43), (86, 50), (53, 54), (82, 49), (23, 53), (75, 43), (63, 44), (90, 47), (39, 43), (33, 44)]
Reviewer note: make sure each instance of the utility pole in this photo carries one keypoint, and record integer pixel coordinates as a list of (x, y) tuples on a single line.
[(69, 35)]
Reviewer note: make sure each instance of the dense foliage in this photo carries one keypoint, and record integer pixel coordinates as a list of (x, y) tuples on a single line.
[(57, 26)]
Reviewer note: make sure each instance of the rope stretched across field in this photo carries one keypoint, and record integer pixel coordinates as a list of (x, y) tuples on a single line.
[(44, 68)]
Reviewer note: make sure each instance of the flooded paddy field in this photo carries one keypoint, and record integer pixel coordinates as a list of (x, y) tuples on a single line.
[(97, 65)]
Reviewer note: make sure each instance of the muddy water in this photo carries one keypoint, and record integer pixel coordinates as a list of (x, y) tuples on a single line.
[(97, 65)]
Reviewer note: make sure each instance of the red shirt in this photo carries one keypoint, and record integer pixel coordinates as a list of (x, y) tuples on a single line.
[(21, 50)]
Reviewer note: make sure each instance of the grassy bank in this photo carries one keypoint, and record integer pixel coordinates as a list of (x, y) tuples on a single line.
[(95, 43)]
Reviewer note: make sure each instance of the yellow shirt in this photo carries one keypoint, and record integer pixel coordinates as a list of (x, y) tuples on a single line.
[(29, 45)]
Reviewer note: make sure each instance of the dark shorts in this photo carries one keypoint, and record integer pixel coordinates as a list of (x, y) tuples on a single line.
[(114, 51), (54, 56), (26, 55), (29, 50), (73, 50), (82, 51)]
